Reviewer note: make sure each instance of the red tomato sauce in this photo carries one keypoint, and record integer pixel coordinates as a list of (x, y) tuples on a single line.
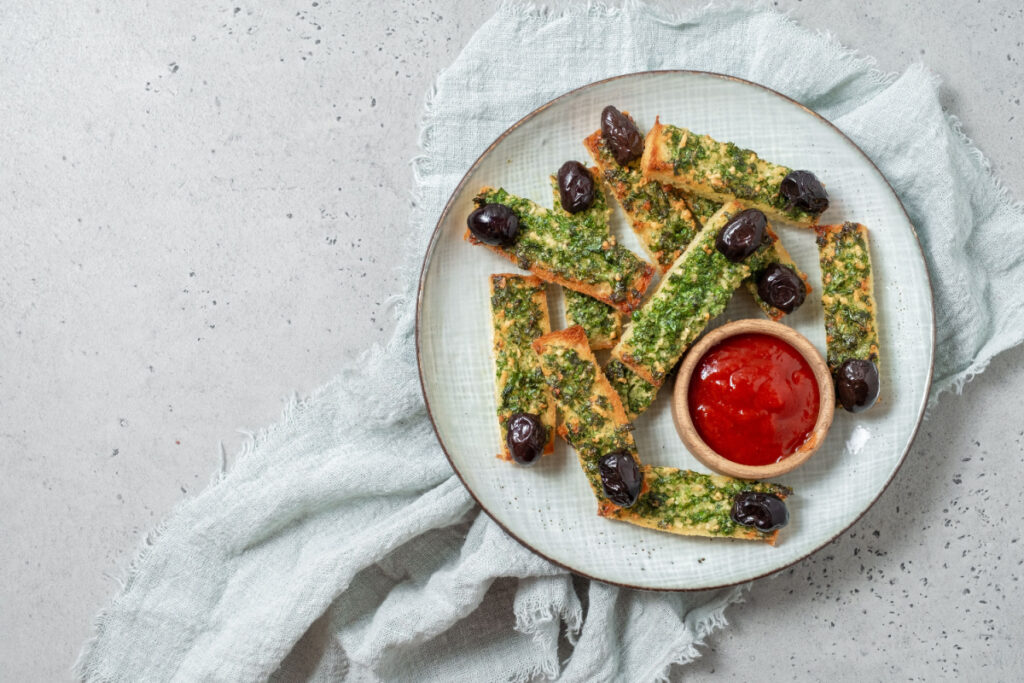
[(753, 399)]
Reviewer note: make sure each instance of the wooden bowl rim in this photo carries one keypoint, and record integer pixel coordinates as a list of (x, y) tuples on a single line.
[(704, 453)]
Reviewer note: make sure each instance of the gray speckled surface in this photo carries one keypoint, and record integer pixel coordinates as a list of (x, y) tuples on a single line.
[(201, 213)]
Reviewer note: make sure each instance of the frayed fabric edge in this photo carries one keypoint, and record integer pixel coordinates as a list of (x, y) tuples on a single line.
[(1005, 198), (959, 379), (81, 669), (956, 383), (863, 62), (686, 647), (528, 623), (868, 63)]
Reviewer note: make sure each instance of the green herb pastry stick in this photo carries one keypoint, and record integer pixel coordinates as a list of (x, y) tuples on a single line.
[(602, 323), (721, 171), (847, 293), (694, 504), (593, 419), (519, 313), (851, 329), (696, 289), (636, 393), (570, 251)]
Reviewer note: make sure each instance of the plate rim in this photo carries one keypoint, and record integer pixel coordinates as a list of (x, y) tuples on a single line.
[(428, 253)]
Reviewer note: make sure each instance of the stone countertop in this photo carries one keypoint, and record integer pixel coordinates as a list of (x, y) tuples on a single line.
[(202, 214)]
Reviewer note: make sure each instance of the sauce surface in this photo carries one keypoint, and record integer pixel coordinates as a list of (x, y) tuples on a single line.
[(753, 399)]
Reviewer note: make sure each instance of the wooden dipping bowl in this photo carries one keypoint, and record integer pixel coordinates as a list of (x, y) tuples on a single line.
[(688, 432)]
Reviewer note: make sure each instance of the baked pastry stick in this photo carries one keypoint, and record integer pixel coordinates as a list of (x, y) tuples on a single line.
[(595, 424), (569, 251), (593, 419), (519, 313), (847, 293), (690, 503), (601, 322), (721, 171), (696, 289), (659, 214)]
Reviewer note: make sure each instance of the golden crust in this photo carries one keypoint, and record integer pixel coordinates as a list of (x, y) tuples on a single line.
[(602, 344), (654, 163), (593, 143)]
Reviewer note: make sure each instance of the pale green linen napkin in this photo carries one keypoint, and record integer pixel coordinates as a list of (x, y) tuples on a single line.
[(344, 530)]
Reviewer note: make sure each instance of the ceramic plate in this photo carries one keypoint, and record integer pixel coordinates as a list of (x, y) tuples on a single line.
[(549, 508)]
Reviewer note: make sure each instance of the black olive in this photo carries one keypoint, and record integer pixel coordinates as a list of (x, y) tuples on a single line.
[(525, 438), (763, 511), (803, 191), (857, 384), (621, 135), (575, 187), (620, 478), (781, 287), (494, 224), (741, 236)]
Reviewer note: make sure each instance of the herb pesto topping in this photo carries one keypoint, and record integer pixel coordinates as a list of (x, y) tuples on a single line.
[(602, 323), (659, 214), (690, 502), (587, 410), (519, 315), (723, 169), (847, 294), (636, 393), (574, 248), (695, 290), (703, 208)]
